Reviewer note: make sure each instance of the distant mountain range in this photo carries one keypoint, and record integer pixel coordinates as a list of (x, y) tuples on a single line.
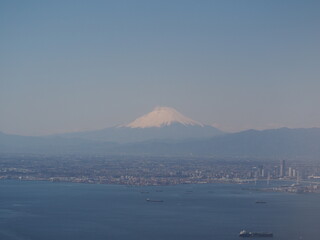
[(164, 131), (273, 143)]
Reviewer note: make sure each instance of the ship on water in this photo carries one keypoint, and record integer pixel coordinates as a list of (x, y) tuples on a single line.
[(245, 233), (261, 202), (153, 200)]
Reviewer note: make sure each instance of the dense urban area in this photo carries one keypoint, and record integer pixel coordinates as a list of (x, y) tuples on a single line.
[(146, 170)]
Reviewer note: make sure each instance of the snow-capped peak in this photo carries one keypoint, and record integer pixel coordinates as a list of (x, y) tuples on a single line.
[(162, 116)]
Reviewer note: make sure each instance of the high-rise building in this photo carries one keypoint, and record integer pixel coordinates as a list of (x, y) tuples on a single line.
[(275, 171), (260, 169), (294, 173), (298, 177), (282, 168)]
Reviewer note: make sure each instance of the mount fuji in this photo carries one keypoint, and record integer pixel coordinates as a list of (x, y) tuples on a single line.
[(161, 123), (162, 116)]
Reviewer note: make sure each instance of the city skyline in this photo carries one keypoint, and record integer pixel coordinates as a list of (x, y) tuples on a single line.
[(77, 65)]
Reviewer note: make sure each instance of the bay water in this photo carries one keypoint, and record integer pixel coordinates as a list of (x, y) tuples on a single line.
[(34, 210)]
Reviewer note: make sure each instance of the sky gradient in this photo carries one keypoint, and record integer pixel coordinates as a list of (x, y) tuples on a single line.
[(83, 65)]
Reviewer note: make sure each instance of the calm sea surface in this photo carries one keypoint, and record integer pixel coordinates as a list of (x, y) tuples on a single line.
[(67, 211)]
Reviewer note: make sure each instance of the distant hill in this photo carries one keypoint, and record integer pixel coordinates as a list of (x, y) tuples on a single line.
[(50, 145), (283, 142)]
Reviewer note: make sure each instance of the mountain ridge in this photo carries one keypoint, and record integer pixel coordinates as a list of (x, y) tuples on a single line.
[(303, 143), (165, 131)]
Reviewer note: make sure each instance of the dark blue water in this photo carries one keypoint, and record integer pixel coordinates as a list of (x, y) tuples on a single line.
[(66, 211)]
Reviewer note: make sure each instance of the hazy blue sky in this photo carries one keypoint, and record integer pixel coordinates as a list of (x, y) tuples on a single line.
[(79, 65)]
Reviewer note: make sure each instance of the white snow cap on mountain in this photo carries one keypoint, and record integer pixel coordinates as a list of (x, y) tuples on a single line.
[(162, 116)]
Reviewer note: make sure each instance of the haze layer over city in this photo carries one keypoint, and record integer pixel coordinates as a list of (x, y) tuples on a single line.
[(159, 120)]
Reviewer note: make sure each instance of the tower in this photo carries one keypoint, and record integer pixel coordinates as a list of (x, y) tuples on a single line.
[(282, 168)]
